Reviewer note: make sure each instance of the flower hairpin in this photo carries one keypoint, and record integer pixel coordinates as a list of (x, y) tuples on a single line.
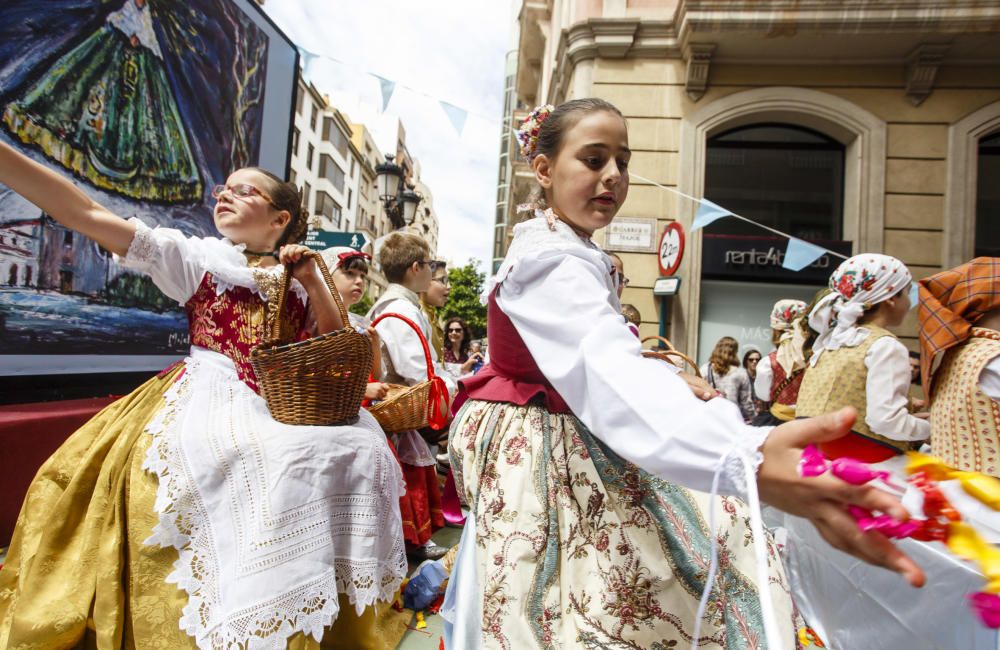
[(527, 135)]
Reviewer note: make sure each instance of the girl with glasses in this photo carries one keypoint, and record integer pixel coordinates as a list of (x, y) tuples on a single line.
[(187, 514)]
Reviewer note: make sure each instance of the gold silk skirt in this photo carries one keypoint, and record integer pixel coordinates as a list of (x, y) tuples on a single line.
[(77, 574)]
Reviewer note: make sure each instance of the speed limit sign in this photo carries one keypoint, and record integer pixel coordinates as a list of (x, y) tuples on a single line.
[(671, 250)]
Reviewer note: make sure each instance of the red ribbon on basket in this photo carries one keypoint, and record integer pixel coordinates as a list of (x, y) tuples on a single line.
[(437, 404), (437, 400)]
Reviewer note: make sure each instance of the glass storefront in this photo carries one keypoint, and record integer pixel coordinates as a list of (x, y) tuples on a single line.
[(783, 176)]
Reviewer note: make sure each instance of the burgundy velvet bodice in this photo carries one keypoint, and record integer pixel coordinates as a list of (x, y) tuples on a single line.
[(512, 374), (234, 322)]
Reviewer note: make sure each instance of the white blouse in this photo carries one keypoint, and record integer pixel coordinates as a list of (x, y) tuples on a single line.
[(887, 392), (765, 377), (557, 291)]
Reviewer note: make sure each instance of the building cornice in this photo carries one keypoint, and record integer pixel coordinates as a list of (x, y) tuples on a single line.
[(700, 33), (787, 17)]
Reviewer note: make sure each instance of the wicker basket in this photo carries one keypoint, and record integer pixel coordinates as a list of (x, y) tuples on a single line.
[(316, 382), (670, 354), (413, 407)]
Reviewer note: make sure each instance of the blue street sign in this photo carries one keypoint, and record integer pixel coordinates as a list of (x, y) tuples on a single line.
[(319, 240)]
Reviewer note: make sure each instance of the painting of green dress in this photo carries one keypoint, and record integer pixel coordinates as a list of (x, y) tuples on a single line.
[(145, 105), (105, 110)]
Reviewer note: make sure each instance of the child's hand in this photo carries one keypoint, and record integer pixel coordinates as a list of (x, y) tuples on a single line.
[(824, 499), (376, 390), (373, 334), (304, 269)]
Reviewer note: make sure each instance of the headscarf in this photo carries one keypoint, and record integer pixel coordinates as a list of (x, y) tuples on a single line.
[(338, 255), (950, 304), (857, 285), (783, 316)]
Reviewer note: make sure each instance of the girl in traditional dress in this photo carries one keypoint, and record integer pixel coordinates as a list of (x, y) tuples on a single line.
[(350, 271), (183, 514), (856, 361), (105, 111), (779, 374), (573, 449)]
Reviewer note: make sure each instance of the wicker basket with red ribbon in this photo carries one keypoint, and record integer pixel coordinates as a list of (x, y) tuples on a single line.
[(413, 407)]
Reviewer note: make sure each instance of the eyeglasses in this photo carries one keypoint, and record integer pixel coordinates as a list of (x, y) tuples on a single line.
[(241, 191), (437, 265), (454, 330), (443, 280)]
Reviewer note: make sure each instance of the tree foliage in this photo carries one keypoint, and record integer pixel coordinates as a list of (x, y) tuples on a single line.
[(466, 284), (362, 306)]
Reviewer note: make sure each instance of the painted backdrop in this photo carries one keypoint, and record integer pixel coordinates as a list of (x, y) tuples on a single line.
[(146, 104)]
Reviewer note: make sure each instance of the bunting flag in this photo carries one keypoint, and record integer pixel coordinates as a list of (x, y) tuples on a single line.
[(801, 254), (707, 213), (388, 87), (307, 60), (455, 114)]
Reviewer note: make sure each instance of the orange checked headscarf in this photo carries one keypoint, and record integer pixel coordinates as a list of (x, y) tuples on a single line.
[(950, 304)]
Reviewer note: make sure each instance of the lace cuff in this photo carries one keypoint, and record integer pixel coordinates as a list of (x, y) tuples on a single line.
[(144, 250), (746, 451)]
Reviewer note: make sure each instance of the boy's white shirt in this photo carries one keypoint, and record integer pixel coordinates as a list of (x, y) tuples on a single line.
[(403, 357)]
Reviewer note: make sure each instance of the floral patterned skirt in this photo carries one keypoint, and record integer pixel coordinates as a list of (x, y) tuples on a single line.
[(579, 548)]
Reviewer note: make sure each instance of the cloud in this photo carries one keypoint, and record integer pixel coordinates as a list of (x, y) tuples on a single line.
[(434, 49)]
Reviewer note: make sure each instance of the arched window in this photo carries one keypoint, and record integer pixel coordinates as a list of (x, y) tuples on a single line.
[(988, 198), (784, 176)]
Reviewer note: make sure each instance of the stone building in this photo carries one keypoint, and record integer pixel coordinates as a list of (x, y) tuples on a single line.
[(864, 126)]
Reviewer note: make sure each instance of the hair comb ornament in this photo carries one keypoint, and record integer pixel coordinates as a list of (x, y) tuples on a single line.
[(527, 135)]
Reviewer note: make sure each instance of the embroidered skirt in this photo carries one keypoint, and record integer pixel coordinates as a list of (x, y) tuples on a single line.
[(578, 548), (82, 570)]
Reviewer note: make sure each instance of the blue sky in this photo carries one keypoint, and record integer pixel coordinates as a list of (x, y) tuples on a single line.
[(450, 51)]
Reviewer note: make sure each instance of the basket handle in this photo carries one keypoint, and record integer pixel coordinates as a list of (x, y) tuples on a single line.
[(437, 403), (665, 356), (286, 284), (661, 339), (420, 335)]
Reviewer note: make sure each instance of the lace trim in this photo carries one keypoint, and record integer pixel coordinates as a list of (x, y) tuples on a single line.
[(143, 250), (532, 237), (747, 452), (310, 608)]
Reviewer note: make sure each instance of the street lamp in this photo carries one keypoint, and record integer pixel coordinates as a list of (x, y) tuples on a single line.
[(400, 203)]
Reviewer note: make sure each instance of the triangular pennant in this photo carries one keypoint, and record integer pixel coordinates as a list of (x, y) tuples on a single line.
[(388, 87), (801, 254), (455, 114), (707, 213), (307, 59)]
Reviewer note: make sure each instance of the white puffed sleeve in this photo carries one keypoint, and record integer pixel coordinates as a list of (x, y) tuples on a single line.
[(559, 303), (989, 379), (765, 376), (174, 261), (887, 389)]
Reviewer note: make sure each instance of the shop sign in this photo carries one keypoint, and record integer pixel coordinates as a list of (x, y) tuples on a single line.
[(760, 259), (631, 235)]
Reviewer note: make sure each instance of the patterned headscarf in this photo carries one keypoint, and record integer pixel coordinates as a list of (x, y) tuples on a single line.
[(783, 316), (950, 304), (784, 313), (858, 284)]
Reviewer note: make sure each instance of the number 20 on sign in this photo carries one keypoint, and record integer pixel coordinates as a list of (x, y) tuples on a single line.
[(671, 249)]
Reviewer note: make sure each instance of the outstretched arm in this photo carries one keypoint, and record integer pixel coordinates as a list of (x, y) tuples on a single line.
[(63, 201)]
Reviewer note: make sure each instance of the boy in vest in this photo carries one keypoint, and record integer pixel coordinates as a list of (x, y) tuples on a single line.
[(857, 362), (406, 262), (960, 327)]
